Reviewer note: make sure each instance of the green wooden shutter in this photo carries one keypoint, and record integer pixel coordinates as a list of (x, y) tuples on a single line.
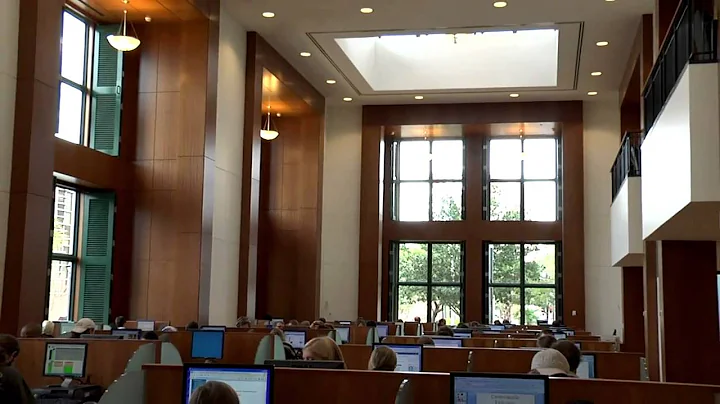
[(96, 256), (106, 93)]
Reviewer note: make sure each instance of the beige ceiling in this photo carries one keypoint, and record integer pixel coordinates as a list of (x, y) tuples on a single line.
[(291, 30)]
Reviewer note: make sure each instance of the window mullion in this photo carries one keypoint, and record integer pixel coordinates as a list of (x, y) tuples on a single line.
[(430, 184), (522, 284), (429, 283)]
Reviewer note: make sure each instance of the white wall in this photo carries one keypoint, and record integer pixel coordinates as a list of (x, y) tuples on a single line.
[(603, 283), (627, 247), (9, 16), (341, 213), (228, 170)]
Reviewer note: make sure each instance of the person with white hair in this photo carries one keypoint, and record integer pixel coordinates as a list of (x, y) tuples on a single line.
[(48, 329), (550, 362)]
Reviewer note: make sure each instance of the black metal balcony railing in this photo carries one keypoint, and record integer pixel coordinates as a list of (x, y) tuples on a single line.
[(627, 161), (692, 38)]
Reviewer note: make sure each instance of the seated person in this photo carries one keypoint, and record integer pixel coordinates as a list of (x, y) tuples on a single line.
[(383, 358), (279, 325), (549, 362), (293, 323), (571, 352), (13, 388), (32, 330), (316, 325), (462, 325), (48, 329), (426, 341), (243, 322), (497, 322), (150, 336), (83, 326), (506, 322), (545, 341), (213, 392), (323, 319), (557, 323), (289, 351), (305, 323), (371, 323), (474, 324), (360, 322), (416, 319), (193, 325), (442, 322), (445, 331), (169, 328), (327, 326), (546, 331), (322, 349), (120, 322)]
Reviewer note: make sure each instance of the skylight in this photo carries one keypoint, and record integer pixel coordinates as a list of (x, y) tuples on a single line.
[(481, 60)]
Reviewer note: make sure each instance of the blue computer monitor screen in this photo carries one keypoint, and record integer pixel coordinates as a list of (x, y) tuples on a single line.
[(65, 360), (497, 328), (491, 390), (560, 335), (586, 370), (448, 342), (344, 333), (251, 385), (409, 357), (463, 333), (126, 333), (146, 325), (295, 338), (207, 344), (213, 327), (382, 330)]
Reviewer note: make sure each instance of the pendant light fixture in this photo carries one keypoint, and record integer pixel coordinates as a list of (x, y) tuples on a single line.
[(122, 41), (268, 131)]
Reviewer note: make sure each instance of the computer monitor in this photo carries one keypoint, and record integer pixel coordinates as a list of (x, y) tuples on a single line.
[(252, 383), (409, 357), (214, 328), (306, 364), (578, 345), (497, 327), (207, 344), (462, 332), (559, 335), (570, 333), (344, 333), (128, 333), (493, 388), (586, 370), (345, 322), (146, 325), (66, 327), (99, 336), (296, 338), (448, 342), (65, 360), (382, 330)]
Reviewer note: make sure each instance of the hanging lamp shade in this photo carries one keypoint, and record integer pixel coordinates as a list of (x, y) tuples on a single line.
[(268, 131), (122, 41)]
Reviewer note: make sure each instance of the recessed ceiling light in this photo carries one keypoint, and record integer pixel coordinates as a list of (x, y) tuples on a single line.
[(609, 1), (596, 74), (305, 54), (500, 4), (366, 10), (347, 99), (602, 43), (591, 93), (331, 81), (419, 97), (514, 95), (268, 14)]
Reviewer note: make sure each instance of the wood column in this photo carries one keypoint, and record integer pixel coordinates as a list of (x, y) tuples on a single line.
[(633, 309), (31, 188)]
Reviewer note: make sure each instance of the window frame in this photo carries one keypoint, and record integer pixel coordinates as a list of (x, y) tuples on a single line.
[(395, 283), (396, 181), (73, 258), (488, 181), (523, 284)]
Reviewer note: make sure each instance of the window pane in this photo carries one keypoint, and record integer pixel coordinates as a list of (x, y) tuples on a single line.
[(540, 263), (60, 287), (539, 305), (414, 160), (539, 158), (541, 201), (504, 263), (505, 155), (445, 304), (414, 202), (447, 160), (70, 116), (447, 201), (74, 43), (505, 201), (413, 303), (64, 221), (505, 304), (413, 263), (446, 262)]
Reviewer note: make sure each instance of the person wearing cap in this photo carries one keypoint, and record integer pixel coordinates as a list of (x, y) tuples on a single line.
[(83, 326), (571, 352), (550, 362), (48, 329)]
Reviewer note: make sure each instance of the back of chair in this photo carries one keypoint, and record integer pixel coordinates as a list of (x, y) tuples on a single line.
[(404, 394)]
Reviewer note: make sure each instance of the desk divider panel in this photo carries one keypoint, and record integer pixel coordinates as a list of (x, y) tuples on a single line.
[(144, 354)]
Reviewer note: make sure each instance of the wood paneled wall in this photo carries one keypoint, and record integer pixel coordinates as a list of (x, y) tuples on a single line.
[(376, 231), (633, 308)]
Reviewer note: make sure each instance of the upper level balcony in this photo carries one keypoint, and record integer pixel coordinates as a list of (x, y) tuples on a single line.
[(626, 246)]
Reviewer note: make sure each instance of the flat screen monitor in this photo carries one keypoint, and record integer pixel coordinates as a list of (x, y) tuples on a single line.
[(214, 327), (559, 335), (586, 370), (570, 333), (278, 320), (497, 328), (128, 333), (66, 327), (448, 342), (100, 336), (344, 333), (252, 383), (306, 364), (146, 325), (409, 357), (296, 338), (483, 388), (207, 344), (508, 326), (65, 360), (382, 330), (345, 322), (462, 332)]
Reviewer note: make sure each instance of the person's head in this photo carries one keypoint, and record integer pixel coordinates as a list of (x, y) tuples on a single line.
[(322, 349), (48, 328), (360, 322), (280, 325), (120, 321), (570, 351), (279, 332), (427, 341), (549, 362), (462, 325), (214, 393), (305, 323), (32, 330), (497, 322), (293, 323), (557, 323), (371, 323), (323, 319), (445, 331), (168, 328), (506, 322), (383, 358), (150, 336), (327, 326), (243, 322), (416, 319), (474, 324), (9, 349), (546, 331), (545, 341), (83, 326), (193, 325), (316, 325), (442, 322)]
